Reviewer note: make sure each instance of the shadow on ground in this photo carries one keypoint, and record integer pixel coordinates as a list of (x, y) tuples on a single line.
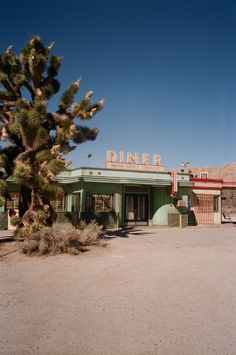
[(125, 232)]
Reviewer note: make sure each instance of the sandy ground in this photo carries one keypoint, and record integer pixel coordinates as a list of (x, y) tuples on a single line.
[(159, 291)]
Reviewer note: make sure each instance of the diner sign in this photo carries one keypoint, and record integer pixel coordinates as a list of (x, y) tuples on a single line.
[(133, 161)]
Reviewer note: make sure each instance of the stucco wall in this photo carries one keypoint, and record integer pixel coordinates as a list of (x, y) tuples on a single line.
[(229, 201), (160, 205), (85, 187)]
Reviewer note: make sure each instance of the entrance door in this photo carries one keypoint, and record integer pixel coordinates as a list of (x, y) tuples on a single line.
[(136, 209), (204, 209)]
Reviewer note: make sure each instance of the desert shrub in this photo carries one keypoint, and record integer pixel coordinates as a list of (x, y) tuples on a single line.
[(62, 238), (15, 220), (22, 234)]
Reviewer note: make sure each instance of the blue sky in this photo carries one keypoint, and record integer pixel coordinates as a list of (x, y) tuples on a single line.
[(167, 71)]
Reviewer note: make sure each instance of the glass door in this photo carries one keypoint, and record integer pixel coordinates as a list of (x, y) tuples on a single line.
[(75, 207), (136, 209)]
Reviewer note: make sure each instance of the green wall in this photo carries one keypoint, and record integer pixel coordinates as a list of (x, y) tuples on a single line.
[(162, 204), (102, 188)]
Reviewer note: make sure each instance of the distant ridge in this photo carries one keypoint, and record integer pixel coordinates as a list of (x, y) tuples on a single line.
[(227, 172)]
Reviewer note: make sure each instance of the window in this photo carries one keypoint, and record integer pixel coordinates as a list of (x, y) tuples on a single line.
[(59, 204), (216, 203), (204, 175), (75, 202), (195, 200), (13, 203), (99, 203)]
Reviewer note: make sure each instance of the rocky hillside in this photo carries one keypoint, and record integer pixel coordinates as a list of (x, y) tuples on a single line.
[(227, 172)]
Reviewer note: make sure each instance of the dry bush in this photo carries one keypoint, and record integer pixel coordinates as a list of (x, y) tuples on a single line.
[(62, 238)]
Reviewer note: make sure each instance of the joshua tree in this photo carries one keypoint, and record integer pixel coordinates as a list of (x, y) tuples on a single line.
[(37, 140)]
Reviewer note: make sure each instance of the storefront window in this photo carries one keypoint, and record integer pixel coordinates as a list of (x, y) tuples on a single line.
[(75, 202), (59, 204), (99, 203), (13, 203)]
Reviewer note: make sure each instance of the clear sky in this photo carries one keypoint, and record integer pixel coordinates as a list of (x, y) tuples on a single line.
[(166, 68)]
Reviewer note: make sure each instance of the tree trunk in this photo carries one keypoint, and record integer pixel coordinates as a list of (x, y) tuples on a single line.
[(52, 214), (30, 200), (25, 200)]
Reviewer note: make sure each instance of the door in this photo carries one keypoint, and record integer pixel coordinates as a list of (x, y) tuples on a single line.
[(204, 209), (136, 211), (75, 206)]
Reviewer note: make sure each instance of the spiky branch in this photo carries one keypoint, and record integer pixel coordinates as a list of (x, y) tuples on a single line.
[(38, 139)]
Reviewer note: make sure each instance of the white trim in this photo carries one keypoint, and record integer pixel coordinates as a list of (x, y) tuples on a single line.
[(207, 192)]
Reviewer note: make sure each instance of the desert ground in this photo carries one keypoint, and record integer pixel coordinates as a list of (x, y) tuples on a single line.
[(150, 291)]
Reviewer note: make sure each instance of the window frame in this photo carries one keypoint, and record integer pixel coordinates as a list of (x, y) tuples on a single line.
[(216, 205), (206, 173), (94, 199), (59, 204)]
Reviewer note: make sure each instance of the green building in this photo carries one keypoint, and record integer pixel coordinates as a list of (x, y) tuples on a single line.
[(118, 197)]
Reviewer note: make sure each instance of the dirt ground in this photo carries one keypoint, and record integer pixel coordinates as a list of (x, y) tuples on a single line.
[(156, 291)]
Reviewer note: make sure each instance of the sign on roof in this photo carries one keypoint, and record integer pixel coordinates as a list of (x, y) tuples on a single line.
[(133, 161)]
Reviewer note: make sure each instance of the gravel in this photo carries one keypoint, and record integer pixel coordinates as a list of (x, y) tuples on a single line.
[(156, 291)]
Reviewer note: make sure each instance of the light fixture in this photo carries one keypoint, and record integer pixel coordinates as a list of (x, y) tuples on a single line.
[(88, 157), (186, 164)]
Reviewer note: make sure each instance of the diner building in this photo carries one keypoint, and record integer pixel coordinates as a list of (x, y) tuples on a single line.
[(119, 197), (132, 189)]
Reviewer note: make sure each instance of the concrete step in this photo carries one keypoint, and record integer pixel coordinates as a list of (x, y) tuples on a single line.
[(6, 235)]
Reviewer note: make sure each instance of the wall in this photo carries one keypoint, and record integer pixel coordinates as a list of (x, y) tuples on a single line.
[(160, 206), (3, 220), (217, 215), (109, 219), (203, 204), (229, 201), (107, 181)]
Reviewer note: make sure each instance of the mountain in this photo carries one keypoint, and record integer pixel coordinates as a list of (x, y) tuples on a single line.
[(227, 172)]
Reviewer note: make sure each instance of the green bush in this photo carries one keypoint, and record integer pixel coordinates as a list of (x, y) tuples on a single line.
[(62, 238), (15, 220)]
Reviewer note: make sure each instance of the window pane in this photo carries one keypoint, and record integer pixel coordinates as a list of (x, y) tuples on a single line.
[(14, 202), (99, 203), (75, 202), (129, 208), (58, 204)]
